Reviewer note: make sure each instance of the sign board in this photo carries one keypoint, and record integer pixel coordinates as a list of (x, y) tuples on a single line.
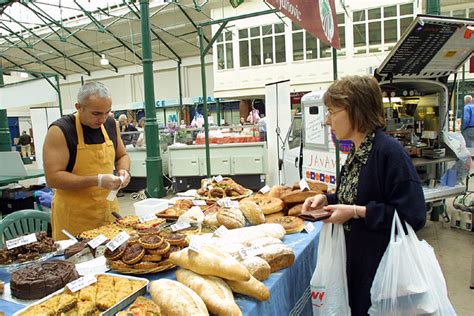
[(317, 17)]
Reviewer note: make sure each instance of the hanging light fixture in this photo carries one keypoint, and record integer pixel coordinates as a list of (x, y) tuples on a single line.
[(104, 61)]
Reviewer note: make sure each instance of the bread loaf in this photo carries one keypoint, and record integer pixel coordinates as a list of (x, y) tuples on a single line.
[(258, 268), (267, 204), (210, 261), (278, 256), (263, 241), (231, 218), (252, 287), (291, 224), (175, 299), (252, 212), (297, 196), (215, 293), (211, 219), (278, 190), (295, 210)]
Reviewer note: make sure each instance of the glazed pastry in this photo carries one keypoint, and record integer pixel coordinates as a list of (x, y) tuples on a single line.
[(171, 250), (176, 239), (133, 254), (163, 248), (149, 231), (152, 258), (117, 253), (151, 241)]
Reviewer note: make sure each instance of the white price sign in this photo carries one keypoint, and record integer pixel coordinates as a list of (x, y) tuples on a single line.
[(179, 226), (251, 252), (97, 241), (304, 185), (218, 178), (147, 218), (194, 245), (117, 241), (21, 241), (199, 202), (265, 189), (81, 283), (222, 231), (309, 227), (227, 202)]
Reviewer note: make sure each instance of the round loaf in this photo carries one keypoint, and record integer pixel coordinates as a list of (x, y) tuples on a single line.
[(231, 218), (211, 219), (270, 218), (291, 224), (295, 210), (278, 190), (268, 205), (258, 268), (174, 298), (252, 212)]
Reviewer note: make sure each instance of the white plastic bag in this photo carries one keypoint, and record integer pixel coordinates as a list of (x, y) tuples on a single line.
[(399, 286), (329, 294)]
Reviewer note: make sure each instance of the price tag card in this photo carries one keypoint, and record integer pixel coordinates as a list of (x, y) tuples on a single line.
[(227, 202), (97, 241), (218, 178), (147, 218), (179, 226), (309, 227), (117, 241), (20, 241), (304, 185), (199, 202), (221, 231), (251, 252), (81, 283), (194, 245), (265, 189)]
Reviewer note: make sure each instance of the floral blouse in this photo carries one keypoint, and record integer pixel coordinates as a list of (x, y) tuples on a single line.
[(347, 190)]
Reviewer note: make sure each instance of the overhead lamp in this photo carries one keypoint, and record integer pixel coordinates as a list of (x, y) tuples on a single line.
[(392, 100), (104, 61)]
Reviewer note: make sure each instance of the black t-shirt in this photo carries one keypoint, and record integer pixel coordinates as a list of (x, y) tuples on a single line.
[(25, 139), (67, 124)]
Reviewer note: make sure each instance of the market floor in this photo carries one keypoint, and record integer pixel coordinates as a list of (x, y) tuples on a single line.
[(454, 249)]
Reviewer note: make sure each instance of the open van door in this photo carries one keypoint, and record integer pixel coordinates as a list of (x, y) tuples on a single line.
[(293, 149)]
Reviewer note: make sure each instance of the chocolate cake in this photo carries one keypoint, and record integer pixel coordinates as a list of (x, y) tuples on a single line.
[(42, 279)]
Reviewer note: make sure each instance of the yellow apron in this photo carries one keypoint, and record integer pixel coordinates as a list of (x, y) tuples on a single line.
[(81, 210)]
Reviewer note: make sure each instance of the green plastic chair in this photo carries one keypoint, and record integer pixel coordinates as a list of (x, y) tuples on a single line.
[(23, 222)]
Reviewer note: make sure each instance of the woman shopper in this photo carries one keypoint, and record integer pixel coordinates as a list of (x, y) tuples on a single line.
[(377, 178)]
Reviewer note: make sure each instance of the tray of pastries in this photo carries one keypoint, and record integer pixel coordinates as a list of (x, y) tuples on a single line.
[(109, 295), (213, 190), (179, 208), (109, 231)]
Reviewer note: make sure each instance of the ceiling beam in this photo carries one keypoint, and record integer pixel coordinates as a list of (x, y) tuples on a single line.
[(190, 20)]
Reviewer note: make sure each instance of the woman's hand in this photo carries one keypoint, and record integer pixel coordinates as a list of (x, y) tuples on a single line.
[(314, 203), (340, 213)]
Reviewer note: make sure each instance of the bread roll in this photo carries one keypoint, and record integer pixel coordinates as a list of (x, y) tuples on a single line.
[(252, 212), (295, 210), (231, 218), (291, 224), (210, 261), (278, 190), (278, 256), (268, 205), (215, 293), (252, 287), (294, 197), (271, 217), (258, 268), (175, 299)]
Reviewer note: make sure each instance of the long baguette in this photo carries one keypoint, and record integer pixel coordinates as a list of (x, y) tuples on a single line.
[(252, 287)]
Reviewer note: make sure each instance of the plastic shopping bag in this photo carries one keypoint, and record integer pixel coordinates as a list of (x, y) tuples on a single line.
[(329, 294), (399, 286)]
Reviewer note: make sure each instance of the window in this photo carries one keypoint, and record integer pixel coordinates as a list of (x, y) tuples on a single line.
[(225, 58), (307, 47), (262, 45), (460, 13)]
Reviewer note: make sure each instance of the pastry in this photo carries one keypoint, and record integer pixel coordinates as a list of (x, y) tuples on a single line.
[(146, 265), (128, 221), (141, 307), (176, 239), (173, 298), (269, 205), (133, 254), (231, 218), (163, 248), (153, 223), (66, 302), (109, 231), (291, 224), (151, 241), (152, 258), (171, 250), (117, 253), (252, 212), (118, 265), (258, 268), (149, 231), (252, 287), (184, 204)]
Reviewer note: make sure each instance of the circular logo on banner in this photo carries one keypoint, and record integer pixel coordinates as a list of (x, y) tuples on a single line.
[(345, 146), (325, 13)]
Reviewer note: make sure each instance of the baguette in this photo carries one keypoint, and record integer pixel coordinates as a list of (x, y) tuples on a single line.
[(175, 299), (215, 293), (210, 261), (253, 288)]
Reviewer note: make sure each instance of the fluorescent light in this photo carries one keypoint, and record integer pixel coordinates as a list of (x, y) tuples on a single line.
[(104, 61), (23, 74), (392, 100)]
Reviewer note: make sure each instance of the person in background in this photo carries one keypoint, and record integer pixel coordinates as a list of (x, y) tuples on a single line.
[(468, 121), (80, 153), (378, 177), (254, 115), (141, 137), (262, 127), (128, 139), (25, 144)]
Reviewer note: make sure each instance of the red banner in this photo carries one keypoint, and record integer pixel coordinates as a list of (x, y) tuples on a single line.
[(315, 16), (471, 65)]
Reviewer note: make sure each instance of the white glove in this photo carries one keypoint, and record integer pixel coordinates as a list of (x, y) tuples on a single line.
[(108, 181), (125, 177)]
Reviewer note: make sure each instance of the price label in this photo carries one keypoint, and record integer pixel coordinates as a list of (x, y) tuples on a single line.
[(265, 189), (199, 202), (194, 245), (97, 241), (179, 226), (81, 283), (147, 218), (117, 241), (222, 231), (251, 252), (304, 185), (309, 227), (218, 178), (20, 241), (227, 202)]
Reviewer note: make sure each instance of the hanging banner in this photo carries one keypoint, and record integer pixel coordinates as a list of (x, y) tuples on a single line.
[(315, 16)]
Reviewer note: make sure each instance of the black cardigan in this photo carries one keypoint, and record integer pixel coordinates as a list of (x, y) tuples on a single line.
[(388, 181)]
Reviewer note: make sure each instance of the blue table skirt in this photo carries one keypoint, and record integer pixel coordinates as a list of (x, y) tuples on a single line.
[(289, 288)]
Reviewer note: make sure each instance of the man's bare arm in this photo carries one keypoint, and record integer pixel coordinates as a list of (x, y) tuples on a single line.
[(55, 160)]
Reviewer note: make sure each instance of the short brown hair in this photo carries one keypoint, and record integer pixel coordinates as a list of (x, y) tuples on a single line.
[(361, 97)]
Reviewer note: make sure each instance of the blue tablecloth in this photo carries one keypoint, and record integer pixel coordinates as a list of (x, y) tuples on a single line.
[(289, 288)]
